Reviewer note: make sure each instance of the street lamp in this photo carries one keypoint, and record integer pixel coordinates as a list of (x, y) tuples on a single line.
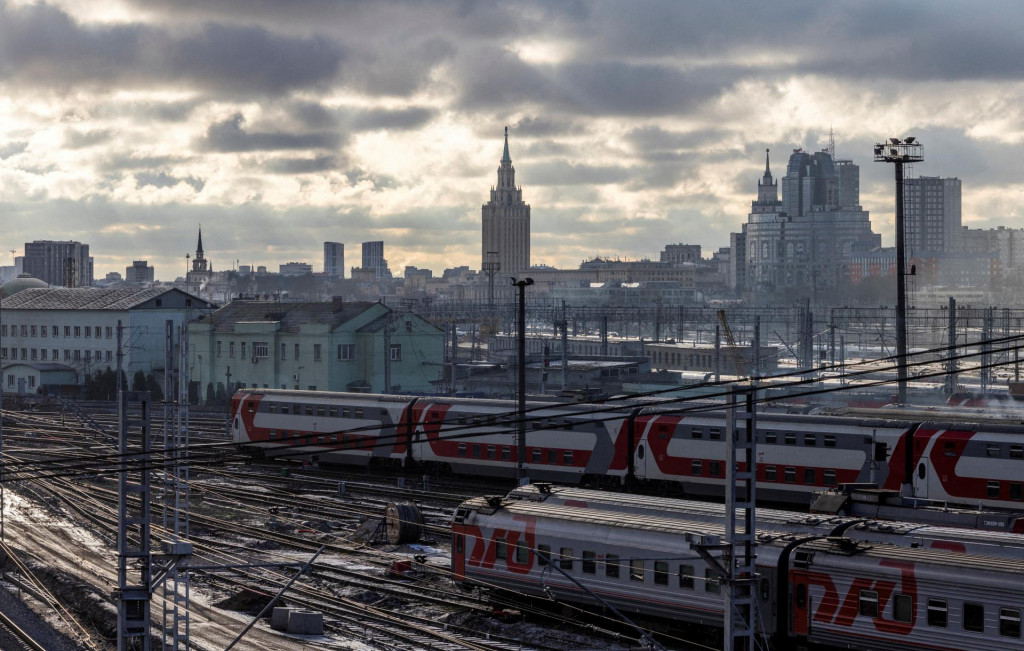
[(899, 152), (521, 393)]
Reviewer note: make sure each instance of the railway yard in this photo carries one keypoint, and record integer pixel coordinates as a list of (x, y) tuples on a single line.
[(59, 538)]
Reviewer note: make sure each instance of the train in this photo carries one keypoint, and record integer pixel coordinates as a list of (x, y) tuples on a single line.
[(646, 447), (808, 589)]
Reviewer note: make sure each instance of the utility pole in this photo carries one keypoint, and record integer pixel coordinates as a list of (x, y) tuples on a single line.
[(521, 393), (899, 153)]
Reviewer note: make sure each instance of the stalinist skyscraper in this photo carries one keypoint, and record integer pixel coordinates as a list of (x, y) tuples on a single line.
[(506, 225)]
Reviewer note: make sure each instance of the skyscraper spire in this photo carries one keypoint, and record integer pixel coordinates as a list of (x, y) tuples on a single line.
[(505, 158), (767, 164), (199, 248)]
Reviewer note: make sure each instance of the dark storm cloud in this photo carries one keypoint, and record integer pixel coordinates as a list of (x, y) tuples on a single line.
[(165, 180), (302, 165), (564, 173), (75, 139), (231, 136), (40, 44), (396, 120), (536, 127), (11, 148)]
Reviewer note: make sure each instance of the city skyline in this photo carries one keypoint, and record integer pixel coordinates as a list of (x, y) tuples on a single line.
[(126, 124)]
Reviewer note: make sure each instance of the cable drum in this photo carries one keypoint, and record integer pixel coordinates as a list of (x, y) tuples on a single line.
[(402, 523)]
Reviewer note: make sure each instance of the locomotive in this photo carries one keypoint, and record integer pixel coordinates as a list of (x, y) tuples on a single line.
[(647, 447), (808, 589)]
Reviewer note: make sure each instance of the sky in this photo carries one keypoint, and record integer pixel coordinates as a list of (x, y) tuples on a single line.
[(280, 124)]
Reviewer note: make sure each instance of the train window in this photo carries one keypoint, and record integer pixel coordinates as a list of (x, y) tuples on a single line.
[(869, 603), (640, 452), (272, 434), (309, 410), (696, 467), (236, 422), (462, 449), (715, 468), (696, 433), (770, 437), (790, 475), (284, 409), (1017, 491), (660, 572), (769, 473), (611, 566), (492, 452), (358, 413), (567, 457), (686, 577), (992, 490), (522, 552), (801, 595), (333, 412), (636, 569), (993, 450), (1009, 622), (506, 453), (458, 544), (272, 408), (1017, 451), (476, 450), (543, 554), (333, 438), (462, 419), (501, 549), (922, 470), (345, 413), (565, 560), (319, 439), (790, 438), (903, 608), (810, 439), (712, 581), (766, 589), (715, 434), (830, 477), (810, 476), (974, 617), (536, 424), (589, 562), (552, 456), (830, 440), (535, 455), (567, 424), (384, 413), (320, 410)]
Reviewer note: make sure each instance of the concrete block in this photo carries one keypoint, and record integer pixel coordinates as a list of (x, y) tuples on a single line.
[(279, 617)]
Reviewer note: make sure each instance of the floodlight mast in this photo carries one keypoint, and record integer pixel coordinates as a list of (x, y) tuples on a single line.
[(900, 152)]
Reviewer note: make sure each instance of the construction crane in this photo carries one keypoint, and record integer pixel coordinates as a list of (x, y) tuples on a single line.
[(732, 351)]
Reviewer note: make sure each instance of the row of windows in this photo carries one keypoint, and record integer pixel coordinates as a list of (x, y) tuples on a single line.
[(996, 450), (994, 490), (31, 381), (972, 614), (320, 410), (47, 354), (261, 350), (770, 437), (95, 332), (612, 566)]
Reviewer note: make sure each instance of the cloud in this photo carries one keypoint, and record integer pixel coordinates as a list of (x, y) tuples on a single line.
[(302, 165), (165, 180), (12, 148), (393, 120), (75, 139), (230, 136)]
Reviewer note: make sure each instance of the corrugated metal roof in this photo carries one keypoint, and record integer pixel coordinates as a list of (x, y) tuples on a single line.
[(81, 298), (289, 315)]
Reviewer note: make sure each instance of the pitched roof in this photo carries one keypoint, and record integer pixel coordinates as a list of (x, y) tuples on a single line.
[(81, 298), (289, 315)]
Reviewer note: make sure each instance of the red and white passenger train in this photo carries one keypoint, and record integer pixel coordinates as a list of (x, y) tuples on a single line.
[(658, 447), (810, 588)]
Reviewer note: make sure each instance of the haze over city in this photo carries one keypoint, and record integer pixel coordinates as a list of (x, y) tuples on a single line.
[(277, 126)]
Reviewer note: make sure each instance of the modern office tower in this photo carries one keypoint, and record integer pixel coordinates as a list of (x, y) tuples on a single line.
[(373, 258), (139, 272), (506, 224), (799, 245), (334, 259), (64, 264), (932, 218)]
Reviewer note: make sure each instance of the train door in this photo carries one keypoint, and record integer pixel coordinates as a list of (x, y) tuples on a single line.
[(801, 596), (459, 553), (640, 459)]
